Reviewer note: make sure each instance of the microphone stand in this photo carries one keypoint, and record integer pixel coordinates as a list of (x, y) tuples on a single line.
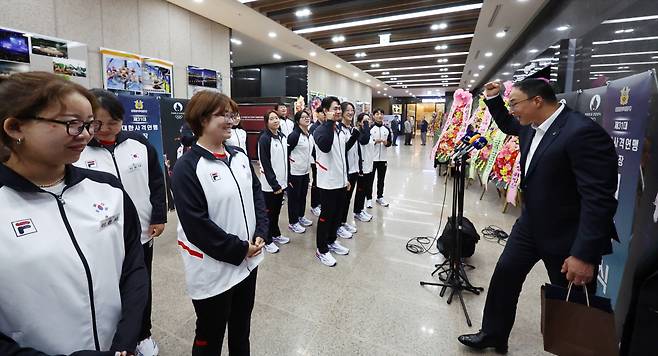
[(454, 276)]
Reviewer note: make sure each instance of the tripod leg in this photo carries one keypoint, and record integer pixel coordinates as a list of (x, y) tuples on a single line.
[(461, 300)]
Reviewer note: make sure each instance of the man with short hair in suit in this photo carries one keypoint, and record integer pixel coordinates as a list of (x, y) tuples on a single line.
[(569, 179)]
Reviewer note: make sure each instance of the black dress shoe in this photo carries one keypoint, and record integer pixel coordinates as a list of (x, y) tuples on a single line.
[(482, 341)]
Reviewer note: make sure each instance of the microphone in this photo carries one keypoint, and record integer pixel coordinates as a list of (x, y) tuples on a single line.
[(465, 140), (477, 144)]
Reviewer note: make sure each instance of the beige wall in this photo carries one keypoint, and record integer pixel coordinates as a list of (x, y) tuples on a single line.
[(153, 28), (323, 80)]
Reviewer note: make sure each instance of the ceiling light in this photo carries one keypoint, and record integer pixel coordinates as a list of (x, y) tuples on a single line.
[(470, 86), (442, 60), (488, 54), (629, 30), (472, 80), (610, 71), (501, 34), (431, 84), (360, 54), (623, 67), (621, 64), (338, 38), (443, 69), (385, 88), (271, 34), (378, 85), (375, 65), (497, 79), (355, 74), (392, 78), (654, 57), (386, 73), (505, 73), (379, 92), (626, 40), (236, 41), (441, 47), (534, 50), (441, 26), (476, 74), (631, 19), (312, 53), (403, 43), (563, 28), (230, 52), (417, 67), (624, 54), (445, 75), (516, 64), (422, 56), (198, 1), (276, 56), (338, 66), (481, 67), (303, 12), (383, 19)]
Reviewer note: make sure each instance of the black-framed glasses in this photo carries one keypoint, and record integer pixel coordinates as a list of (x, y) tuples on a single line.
[(512, 106), (75, 127)]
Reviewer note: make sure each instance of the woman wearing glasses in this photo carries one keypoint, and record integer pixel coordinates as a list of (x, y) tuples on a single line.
[(222, 226), (131, 158), (71, 267)]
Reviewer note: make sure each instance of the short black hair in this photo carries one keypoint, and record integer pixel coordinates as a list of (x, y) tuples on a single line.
[(378, 110), (276, 107), (319, 110), (109, 101), (537, 87), (298, 115), (326, 102), (345, 104), (361, 116)]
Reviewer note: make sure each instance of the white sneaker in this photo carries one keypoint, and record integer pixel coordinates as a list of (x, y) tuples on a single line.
[(339, 249), (272, 248), (343, 233), (369, 203), (361, 217), (147, 347), (296, 228), (325, 258), (305, 222), (349, 227), (367, 215), (316, 211), (382, 202), (281, 240)]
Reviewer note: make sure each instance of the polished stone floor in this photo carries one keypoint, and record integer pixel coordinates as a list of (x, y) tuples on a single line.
[(371, 303)]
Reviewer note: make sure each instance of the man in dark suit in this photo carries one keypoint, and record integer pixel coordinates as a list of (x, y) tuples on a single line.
[(569, 178)]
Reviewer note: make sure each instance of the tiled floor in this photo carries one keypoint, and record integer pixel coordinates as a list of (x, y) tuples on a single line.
[(371, 303)]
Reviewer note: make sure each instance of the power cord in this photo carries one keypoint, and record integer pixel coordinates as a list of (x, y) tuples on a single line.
[(417, 245), (495, 234)]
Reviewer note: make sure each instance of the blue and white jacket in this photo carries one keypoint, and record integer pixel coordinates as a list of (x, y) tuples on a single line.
[(332, 144), (135, 162), (220, 208), (71, 267)]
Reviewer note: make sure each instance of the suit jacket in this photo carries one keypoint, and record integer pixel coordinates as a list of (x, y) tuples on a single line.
[(568, 190)]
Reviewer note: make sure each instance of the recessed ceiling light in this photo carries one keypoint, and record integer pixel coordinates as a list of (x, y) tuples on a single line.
[(534, 50), (444, 76), (198, 1), (378, 85), (236, 41), (563, 28), (338, 38), (271, 34), (386, 73), (498, 79), (628, 30), (626, 40), (355, 74), (230, 52), (501, 34), (375, 65), (443, 69), (303, 12), (382, 19), (360, 54), (472, 80), (505, 73), (476, 74), (442, 60), (624, 54), (481, 67), (621, 64), (488, 54), (367, 80), (385, 88), (338, 66), (276, 56), (393, 78), (441, 47), (312, 53), (516, 64), (379, 92)]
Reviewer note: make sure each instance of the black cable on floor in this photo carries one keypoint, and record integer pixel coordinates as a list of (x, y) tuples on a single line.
[(417, 244), (495, 234)]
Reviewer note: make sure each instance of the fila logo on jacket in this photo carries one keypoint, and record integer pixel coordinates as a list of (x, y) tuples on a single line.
[(135, 162), (220, 207), (71, 270)]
